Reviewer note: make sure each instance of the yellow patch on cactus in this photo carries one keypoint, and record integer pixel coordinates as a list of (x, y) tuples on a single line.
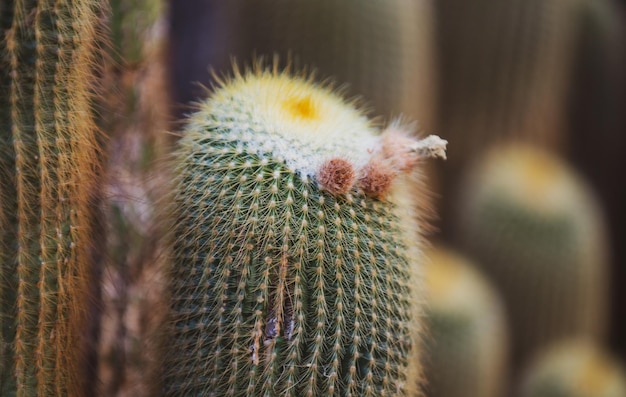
[(528, 174), (302, 108), (306, 123), (444, 277)]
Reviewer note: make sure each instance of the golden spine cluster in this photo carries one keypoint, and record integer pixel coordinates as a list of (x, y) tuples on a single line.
[(48, 148)]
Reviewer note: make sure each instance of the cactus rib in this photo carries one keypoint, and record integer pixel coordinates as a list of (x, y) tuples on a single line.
[(48, 166)]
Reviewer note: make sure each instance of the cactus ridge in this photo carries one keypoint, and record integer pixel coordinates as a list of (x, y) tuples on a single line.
[(48, 151), (279, 287)]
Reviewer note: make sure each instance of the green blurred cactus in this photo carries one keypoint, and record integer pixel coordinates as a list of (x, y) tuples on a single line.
[(294, 247), (505, 68), (574, 369), (137, 115), (383, 49), (467, 346), (535, 229), (49, 165)]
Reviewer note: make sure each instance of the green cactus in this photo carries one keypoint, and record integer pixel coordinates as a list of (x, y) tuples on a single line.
[(505, 67), (294, 247), (535, 229), (574, 369), (467, 345), (48, 164), (383, 49)]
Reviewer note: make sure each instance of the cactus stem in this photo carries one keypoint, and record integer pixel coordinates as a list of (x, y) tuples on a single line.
[(282, 284)]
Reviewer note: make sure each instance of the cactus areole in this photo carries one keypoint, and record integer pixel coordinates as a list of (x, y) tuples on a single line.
[(295, 246)]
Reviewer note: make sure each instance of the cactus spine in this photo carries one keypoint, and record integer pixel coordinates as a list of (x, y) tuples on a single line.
[(294, 254), (47, 162), (574, 369), (467, 343), (536, 230)]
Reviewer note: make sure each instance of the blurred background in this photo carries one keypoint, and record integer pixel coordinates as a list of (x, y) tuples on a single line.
[(529, 247)]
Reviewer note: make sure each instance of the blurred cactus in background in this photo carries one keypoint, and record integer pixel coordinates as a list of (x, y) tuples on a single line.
[(296, 259), (136, 106), (536, 230), (466, 350), (294, 250), (505, 69), (505, 66), (49, 174), (574, 369), (597, 125)]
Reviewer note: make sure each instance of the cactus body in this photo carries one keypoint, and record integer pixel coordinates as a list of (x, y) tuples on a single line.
[(284, 283), (467, 345), (47, 167), (536, 230), (574, 369)]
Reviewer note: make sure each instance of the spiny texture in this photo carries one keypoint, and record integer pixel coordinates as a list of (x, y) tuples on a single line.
[(574, 369), (467, 345), (536, 230), (280, 287), (136, 100), (47, 167), (383, 49), (505, 68)]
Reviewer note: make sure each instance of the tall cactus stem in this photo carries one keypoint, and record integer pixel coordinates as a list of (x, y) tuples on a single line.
[(49, 161)]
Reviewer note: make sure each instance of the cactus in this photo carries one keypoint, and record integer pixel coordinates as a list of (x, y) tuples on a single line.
[(504, 74), (48, 163), (467, 345), (136, 100), (574, 368), (383, 49), (535, 228), (294, 251), (504, 71)]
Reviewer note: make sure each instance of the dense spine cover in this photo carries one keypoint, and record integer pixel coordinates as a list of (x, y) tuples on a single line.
[(294, 272), (47, 162), (535, 228)]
